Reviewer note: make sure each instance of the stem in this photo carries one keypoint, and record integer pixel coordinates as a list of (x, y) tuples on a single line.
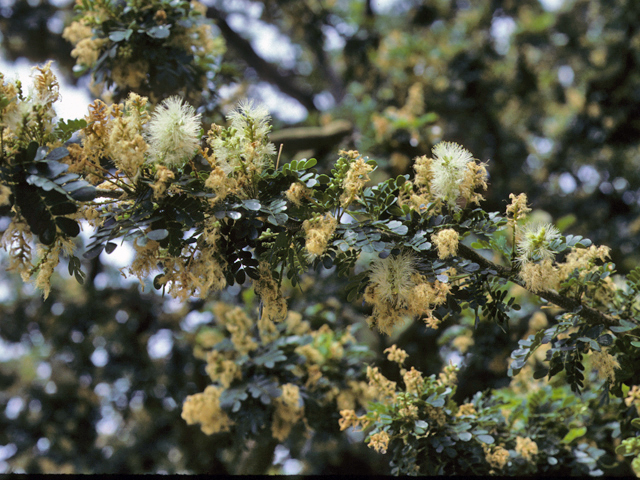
[(588, 313)]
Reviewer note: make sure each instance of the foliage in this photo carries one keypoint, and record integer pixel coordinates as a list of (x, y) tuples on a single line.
[(500, 432), (210, 208), (156, 48)]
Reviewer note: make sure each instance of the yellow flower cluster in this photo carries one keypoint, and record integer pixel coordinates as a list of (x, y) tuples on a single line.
[(539, 276), (289, 410), (446, 241), (274, 306), (526, 447), (29, 118), (348, 418), (49, 261), (451, 176), (298, 192), (395, 354), (383, 387), (196, 274), (497, 457), (355, 180), (318, 232), (413, 381), (466, 409), (379, 441), (633, 398), (517, 209), (237, 324), (448, 376), (221, 369), (606, 365), (204, 408)]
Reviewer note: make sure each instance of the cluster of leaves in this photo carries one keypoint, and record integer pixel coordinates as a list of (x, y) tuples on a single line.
[(150, 34), (44, 193), (249, 399), (446, 438)]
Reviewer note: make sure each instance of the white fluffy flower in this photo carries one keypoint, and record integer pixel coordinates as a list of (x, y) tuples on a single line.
[(174, 132), (449, 167), (245, 142), (392, 278), (250, 120), (535, 240)]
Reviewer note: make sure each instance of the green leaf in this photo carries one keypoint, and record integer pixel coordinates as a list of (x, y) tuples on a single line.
[(159, 31), (68, 226), (573, 434), (488, 439), (625, 326), (158, 235), (119, 35), (252, 204)]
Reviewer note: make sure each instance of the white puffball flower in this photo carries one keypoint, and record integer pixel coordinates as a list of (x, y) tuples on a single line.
[(174, 132), (392, 277), (251, 120), (246, 141), (535, 240), (449, 167)]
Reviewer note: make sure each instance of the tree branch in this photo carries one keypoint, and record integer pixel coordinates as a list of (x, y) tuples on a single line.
[(267, 71), (304, 138), (104, 193), (590, 314)]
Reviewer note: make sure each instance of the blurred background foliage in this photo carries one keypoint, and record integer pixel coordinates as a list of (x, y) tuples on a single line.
[(93, 378)]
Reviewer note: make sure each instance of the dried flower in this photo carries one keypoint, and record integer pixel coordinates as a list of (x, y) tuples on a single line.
[(174, 132)]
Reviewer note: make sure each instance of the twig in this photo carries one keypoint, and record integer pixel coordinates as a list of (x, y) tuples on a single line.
[(588, 313)]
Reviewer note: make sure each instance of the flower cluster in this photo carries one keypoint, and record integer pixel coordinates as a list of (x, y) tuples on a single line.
[(204, 408), (241, 152), (446, 241), (146, 58), (357, 177), (28, 116), (450, 176), (396, 289), (174, 133), (318, 231)]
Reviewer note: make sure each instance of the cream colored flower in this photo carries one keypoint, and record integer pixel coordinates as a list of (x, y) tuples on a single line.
[(174, 133), (535, 242), (449, 168)]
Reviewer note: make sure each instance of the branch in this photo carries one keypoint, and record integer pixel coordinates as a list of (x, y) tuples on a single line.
[(267, 71), (104, 193), (306, 138), (590, 314)]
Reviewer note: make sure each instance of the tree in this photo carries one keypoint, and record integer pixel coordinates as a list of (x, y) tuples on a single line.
[(270, 253)]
